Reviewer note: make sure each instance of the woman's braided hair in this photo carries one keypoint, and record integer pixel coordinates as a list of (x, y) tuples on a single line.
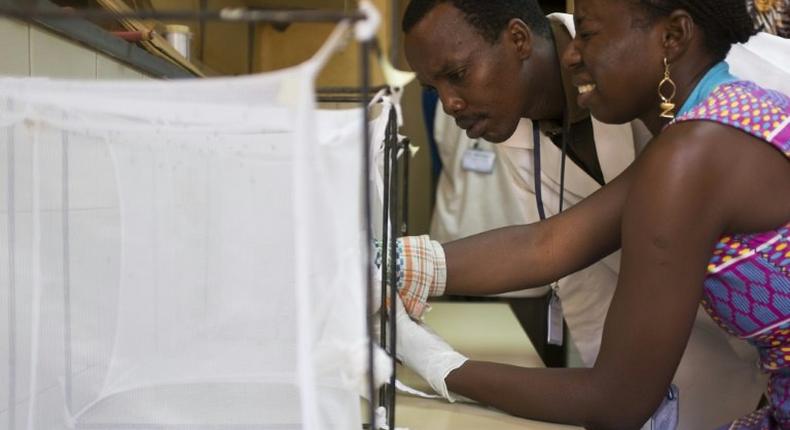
[(723, 22)]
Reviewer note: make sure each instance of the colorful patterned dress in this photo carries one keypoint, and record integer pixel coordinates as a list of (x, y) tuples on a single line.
[(747, 287)]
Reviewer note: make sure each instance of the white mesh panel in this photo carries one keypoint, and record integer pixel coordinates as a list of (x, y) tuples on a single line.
[(179, 255)]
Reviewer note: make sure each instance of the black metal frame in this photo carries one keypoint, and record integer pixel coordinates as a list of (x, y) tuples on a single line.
[(346, 94), (394, 225)]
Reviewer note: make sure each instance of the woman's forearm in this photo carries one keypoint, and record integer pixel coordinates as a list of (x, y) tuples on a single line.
[(528, 256), (568, 396), (496, 261), (515, 258)]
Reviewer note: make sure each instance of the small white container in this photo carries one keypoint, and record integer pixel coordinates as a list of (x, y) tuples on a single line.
[(180, 37)]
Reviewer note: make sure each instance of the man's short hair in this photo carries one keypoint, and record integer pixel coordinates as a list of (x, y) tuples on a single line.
[(489, 17)]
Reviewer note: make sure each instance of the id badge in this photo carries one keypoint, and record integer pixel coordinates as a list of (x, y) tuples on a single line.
[(555, 325), (666, 416), (478, 160)]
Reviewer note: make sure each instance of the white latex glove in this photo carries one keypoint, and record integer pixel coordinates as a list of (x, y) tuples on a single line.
[(382, 366), (426, 353)]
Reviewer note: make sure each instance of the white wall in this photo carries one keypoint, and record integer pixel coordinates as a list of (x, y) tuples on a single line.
[(27, 50)]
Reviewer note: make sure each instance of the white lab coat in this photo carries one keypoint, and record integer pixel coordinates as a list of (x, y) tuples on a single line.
[(718, 375)]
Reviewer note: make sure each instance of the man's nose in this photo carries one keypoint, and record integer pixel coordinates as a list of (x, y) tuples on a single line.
[(452, 103)]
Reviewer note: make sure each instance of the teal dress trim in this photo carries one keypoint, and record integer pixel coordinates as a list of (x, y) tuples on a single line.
[(717, 75)]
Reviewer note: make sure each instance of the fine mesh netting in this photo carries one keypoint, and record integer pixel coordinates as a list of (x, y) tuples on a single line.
[(180, 255)]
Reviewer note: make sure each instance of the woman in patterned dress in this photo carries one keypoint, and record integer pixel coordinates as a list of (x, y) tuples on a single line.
[(702, 216)]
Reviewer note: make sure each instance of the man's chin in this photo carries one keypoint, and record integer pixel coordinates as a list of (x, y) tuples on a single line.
[(494, 136), (502, 133), (491, 133)]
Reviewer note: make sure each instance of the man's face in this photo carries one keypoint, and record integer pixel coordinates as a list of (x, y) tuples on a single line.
[(479, 83)]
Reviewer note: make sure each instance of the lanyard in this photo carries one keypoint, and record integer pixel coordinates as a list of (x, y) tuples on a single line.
[(566, 130), (555, 326)]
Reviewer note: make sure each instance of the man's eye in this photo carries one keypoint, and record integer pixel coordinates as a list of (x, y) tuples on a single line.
[(585, 35), (456, 76)]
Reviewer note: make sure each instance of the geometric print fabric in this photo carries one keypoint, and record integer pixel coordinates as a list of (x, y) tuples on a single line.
[(747, 287)]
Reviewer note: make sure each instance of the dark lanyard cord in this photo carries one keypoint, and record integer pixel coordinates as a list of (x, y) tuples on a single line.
[(566, 130)]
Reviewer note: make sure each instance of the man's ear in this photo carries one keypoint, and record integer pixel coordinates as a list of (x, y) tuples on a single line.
[(678, 34), (520, 37)]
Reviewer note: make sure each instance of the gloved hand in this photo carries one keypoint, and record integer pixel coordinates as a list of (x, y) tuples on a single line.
[(426, 353), (382, 366), (420, 271)]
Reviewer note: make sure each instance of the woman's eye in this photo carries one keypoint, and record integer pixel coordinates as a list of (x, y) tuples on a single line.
[(585, 35)]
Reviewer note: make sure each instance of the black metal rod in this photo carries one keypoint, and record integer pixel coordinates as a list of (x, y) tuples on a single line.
[(225, 14), (349, 90), (393, 144), (404, 230), (385, 267), (341, 99), (365, 84)]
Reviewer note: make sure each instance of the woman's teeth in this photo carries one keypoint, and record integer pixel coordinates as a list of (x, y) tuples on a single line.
[(583, 89)]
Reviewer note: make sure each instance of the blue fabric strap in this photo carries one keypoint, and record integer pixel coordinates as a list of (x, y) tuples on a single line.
[(536, 169), (717, 75), (566, 131)]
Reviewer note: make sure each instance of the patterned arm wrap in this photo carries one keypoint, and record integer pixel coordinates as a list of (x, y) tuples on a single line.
[(420, 272)]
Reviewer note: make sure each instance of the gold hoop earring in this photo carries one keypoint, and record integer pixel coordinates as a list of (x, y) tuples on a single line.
[(667, 106)]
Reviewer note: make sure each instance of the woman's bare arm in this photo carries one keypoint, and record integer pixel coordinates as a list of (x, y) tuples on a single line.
[(525, 256), (683, 197)]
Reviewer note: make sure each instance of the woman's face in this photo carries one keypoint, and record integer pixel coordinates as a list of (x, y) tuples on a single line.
[(616, 60)]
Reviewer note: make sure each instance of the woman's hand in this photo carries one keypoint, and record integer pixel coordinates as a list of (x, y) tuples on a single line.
[(420, 271), (426, 353)]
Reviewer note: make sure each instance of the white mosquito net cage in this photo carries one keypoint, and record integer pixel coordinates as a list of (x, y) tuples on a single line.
[(180, 255)]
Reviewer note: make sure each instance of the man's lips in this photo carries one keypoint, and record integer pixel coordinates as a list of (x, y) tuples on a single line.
[(476, 130), (466, 122), (474, 125)]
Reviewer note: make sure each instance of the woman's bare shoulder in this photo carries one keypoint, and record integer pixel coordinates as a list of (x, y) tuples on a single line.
[(735, 173)]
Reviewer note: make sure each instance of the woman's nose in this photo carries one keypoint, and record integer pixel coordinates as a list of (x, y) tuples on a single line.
[(571, 56)]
